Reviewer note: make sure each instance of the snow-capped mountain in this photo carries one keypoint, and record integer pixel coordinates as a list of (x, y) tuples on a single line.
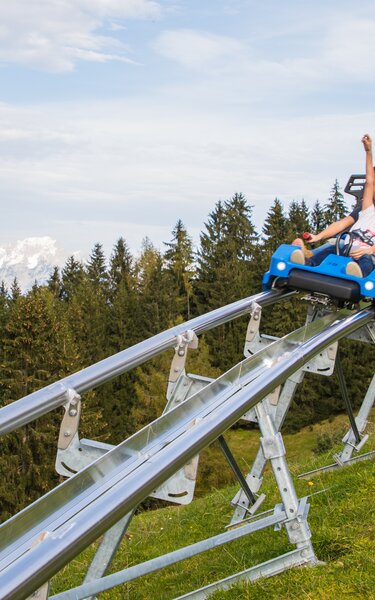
[(30, 260)]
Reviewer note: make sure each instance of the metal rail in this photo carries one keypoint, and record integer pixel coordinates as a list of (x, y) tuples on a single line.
[(33, 568), (38, 403), (54, 509)]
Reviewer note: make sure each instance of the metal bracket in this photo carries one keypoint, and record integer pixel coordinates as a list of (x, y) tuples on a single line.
[(183, 342), (273, 400), (252, 332), (68, 436), (70, 422), (40, 594), (259, 342), (180, 488), (254, 341), (347, 439), (273, 397), (298, 528), (186, 385), (324, 362), (273, 446), (364, 334)]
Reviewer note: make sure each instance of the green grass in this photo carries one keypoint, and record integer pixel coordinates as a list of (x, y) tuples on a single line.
[(342, 520)]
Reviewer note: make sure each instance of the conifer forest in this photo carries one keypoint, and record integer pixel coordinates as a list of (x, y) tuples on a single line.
[(89, 311)]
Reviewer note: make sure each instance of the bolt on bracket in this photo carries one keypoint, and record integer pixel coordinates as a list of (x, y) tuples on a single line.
[(70, 422)]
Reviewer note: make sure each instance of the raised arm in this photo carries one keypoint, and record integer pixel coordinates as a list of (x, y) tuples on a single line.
[(368, 193)]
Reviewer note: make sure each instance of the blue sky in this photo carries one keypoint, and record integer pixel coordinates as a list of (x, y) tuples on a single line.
[(119, 117)]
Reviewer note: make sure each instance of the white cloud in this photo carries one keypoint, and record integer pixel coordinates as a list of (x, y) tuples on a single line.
[(195, 49), (343, 55), (232, 117), (248, 69), (92, 173), (54, 35), (350, 48)]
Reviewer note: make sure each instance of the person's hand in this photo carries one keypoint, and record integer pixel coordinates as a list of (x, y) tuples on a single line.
[(359, 251), (313, 238), (367, 142)]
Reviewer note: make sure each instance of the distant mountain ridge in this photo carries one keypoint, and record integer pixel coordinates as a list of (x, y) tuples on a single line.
[(29, 260)]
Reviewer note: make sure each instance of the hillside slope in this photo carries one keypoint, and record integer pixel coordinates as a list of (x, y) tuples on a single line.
[(342, 520)]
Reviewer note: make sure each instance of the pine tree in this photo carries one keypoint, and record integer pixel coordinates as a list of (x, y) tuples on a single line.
[(121, 269), (123, 330), (228, 243), (155, 299), (318, 218), (15, 290), (85, 287), (179, 264), (135, 400), (4, 316), (96, 269), (225, 271), (88, 316), (335, 208), (276, 228), (72, 276), (37, 350), (123, 307), (239, 228), (4, 303), (278, 319), (54, 283), (275, 231), (298, 218)]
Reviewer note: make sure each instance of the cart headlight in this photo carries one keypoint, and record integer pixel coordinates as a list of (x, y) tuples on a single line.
[(281, 266), (369, 285)]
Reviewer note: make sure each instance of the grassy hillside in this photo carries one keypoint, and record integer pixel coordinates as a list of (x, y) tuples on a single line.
[(342, 520)]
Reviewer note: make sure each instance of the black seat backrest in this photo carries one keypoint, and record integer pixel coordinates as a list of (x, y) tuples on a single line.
[(356, 186)]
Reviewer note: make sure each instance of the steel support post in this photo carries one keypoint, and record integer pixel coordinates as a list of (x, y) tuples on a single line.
[(345, 397), (236, 470), (107, 550), (274, 451), (295, 510), (254, 478), (361, 423), (254, 341)]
